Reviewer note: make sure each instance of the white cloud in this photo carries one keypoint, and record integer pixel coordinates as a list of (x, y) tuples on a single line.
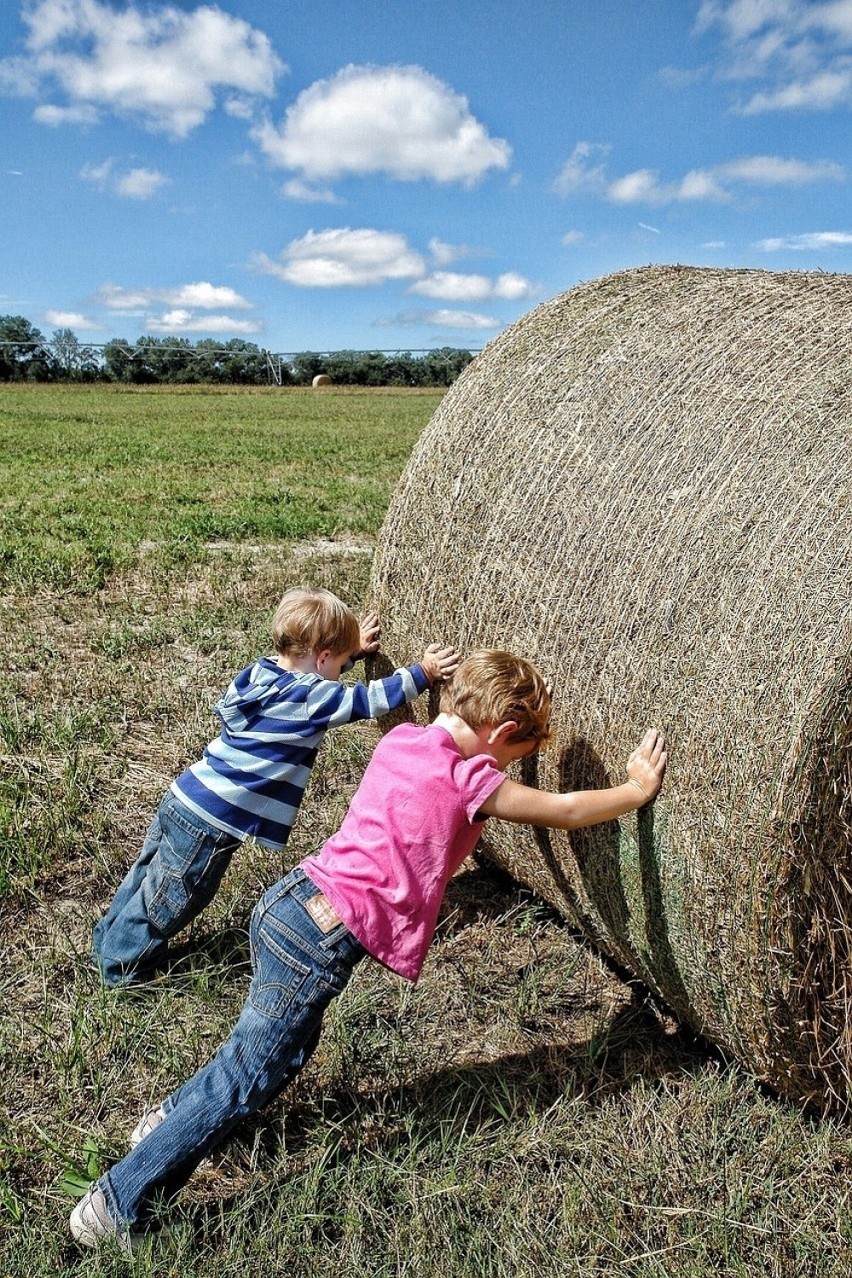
[(820, 92), (800, 48), (140, 184), (585, 174), (460, 319), (163, 65), (571, 238), (99, 174), (454, 287), (343, 257), (296, 189), (444, 319), (55, 116), (813, 241), (655, 230), (445, 254), (772, 170), (198, 296), (71, 319), (182, 321), (399, 121)]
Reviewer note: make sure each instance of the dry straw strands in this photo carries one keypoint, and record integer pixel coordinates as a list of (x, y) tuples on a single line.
[(644, 486)]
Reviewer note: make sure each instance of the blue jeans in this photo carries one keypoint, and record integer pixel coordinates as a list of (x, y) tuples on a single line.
[(176, 875), (297, 970)]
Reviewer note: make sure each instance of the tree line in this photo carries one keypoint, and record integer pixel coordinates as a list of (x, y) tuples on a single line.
[(27, 355)]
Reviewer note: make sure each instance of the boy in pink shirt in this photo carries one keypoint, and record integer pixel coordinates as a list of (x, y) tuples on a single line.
[(375, 888)]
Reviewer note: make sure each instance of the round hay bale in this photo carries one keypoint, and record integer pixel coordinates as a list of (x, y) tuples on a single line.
[(321, 379), (644, 486)]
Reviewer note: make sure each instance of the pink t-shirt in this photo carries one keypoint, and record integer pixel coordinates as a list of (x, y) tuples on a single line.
[(410, 825)]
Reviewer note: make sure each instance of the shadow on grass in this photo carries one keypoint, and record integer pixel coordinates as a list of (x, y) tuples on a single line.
[(516, 1085)]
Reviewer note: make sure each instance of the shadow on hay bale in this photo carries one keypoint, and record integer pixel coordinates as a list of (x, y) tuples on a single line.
[(644, 486)]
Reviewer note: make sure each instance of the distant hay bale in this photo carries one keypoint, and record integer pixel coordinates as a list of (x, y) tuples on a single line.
[(321, 379), (644, 486)]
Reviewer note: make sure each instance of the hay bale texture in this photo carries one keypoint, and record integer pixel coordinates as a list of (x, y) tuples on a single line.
[(644, 486)]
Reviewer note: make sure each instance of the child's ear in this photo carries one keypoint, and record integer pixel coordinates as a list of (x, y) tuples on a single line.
[(501, 732)]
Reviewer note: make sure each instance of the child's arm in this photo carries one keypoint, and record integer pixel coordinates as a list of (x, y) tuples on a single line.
[(332, 704), (645, 768)]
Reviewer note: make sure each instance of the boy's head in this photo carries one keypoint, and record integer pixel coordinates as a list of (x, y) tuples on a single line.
[(311, 621), (493, 687)]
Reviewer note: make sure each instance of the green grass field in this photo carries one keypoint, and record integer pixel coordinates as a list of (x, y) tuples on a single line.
[(521, 1111)]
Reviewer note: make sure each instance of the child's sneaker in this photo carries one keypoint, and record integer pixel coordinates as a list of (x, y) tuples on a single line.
[(91, 1224), (149, 1120)]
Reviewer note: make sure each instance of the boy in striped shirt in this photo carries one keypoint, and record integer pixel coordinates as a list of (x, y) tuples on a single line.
[(251, 778)]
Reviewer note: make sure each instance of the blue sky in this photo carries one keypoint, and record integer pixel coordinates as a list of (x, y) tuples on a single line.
[(389, 174)]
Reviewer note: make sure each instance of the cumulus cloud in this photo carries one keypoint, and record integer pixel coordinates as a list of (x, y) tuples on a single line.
[(180, 321), (161, 64), (71, 319), (55, 116), (198, 296), (445, 254), (297, 189), (141, 184), (398, 121), (813, 240), (800, 49), (585, 173), (343, 257), (451, 286), (134, 184), (772, 170), (444, 319)]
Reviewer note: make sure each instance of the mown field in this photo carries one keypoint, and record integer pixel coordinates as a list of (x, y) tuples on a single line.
[(521, 1111)]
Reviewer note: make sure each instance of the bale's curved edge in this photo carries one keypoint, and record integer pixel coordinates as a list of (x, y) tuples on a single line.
[(644, 486)]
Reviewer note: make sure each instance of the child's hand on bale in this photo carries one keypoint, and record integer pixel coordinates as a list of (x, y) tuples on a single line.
[(438, 662), (370, 634), (647, 763)]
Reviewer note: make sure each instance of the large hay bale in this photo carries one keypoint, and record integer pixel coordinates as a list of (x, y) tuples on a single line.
[(644, 486), (321, 379)]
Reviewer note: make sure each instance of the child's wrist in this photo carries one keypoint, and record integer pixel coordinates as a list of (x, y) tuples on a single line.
[(639, 786)]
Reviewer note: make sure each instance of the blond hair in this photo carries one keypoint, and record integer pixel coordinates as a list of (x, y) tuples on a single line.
[(310, 620), (497, 687)]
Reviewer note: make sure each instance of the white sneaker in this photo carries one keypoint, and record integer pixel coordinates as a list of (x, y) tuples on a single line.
[(149, 1120), (90, 1223)]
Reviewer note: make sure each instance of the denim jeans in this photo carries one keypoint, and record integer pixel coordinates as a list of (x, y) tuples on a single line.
[(297, 970), (176, 875)]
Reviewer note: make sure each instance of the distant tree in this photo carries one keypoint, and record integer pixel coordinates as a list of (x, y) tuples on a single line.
[(24, 354), (306, 365), (442, 366), (119, 360), (165, 359), (234, 362), (73, 361)]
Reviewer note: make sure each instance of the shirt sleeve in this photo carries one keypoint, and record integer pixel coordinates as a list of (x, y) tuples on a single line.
[(479, 778), (331, 704)]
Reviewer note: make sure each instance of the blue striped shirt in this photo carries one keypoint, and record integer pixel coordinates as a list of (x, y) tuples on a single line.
[(251, 778)]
